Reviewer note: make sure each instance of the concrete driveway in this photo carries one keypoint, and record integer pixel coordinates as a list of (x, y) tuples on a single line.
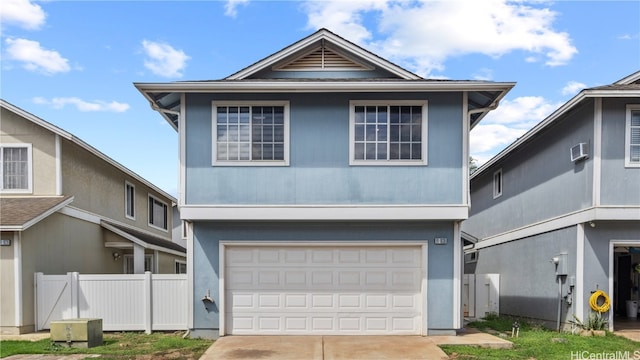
[(323, 348)]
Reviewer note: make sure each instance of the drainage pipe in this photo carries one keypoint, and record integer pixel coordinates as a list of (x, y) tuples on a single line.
[(559, 300)]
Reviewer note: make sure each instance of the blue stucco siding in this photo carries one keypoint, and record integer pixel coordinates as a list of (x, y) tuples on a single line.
[(207, 237), (539, 180), (319, 170), (620, 185)]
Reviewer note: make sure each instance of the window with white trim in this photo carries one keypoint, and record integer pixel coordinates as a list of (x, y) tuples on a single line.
[(497, 184), (16, 160), (632, 136), (157, 213), (180, 267), (129, 200), (251, 133), (128, 263), (388, 132)]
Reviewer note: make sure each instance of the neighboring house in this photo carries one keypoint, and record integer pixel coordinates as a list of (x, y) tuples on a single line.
[(66, 207), (568, 189), (323, 188)]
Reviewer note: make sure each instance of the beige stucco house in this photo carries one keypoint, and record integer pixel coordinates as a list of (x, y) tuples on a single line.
[(67, 207)]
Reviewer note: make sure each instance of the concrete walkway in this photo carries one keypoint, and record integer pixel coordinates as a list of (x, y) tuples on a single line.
[(344, 347)]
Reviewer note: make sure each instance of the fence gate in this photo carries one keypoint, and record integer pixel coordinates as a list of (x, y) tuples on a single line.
[(480, 295), (54, 295)]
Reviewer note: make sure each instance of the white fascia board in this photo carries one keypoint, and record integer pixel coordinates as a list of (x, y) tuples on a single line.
[(344, 44), (595, 214), (324, 213), (324, 86)]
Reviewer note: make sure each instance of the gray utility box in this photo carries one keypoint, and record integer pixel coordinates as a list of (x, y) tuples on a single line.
[(80, 333)]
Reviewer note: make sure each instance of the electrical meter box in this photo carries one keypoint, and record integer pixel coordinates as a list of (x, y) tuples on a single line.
[(560, 261)]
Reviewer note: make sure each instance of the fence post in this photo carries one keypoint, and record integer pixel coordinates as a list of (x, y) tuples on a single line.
[(36, 277), (148, 306), (74, 283)]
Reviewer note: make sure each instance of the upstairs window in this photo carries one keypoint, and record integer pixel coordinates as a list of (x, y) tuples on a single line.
[(16, 168), (497, 184), (180, 267), (251, 133), (157, 213), (129, 200), (388, 133), (632, 136)]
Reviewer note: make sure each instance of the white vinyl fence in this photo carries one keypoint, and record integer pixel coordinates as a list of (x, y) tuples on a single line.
[(123, 302), (480, 295)]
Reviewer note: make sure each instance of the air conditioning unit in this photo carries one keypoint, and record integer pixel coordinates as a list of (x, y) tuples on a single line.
[(579, 152)]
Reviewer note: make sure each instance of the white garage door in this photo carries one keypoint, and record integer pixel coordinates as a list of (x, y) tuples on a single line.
[(324, 290)]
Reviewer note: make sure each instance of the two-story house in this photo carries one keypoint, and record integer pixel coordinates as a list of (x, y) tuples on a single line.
[(66, 207), (557, 213), (324, 187)]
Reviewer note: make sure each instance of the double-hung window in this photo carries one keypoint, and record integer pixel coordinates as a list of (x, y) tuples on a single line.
[(251, 133), (16, 168), (632, 136), (388, 132), (157, 213)]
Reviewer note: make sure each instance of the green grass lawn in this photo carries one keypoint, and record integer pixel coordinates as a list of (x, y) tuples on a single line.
[(535, 342), (120, 346)]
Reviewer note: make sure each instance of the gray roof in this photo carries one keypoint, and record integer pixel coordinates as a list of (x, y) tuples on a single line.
[(18, 213)]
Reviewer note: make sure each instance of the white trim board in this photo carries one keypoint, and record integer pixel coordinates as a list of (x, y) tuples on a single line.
[(600, 213), (319, 212)]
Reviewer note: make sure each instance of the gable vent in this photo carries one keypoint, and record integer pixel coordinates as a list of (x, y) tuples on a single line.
[(322, 58)]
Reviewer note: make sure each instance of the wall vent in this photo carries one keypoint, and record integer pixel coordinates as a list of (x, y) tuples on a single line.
[(579, 152)]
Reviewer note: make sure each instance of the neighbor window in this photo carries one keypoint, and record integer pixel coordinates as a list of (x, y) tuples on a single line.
[(181, 267), (251, 133), (129, 200), (16, 168), (497, 183), (388, 133), (157, 213), (128, 263), (632, 136)]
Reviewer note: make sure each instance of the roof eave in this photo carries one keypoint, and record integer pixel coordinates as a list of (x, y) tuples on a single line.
[(323, 86)]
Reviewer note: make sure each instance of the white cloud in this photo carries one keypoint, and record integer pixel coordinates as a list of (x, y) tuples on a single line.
[(231, 7), (483, 74), (506, 124), (36, 58), (342, 17), (572, 88), (22, 13), (82, 105), (163, 60), (426, 33)]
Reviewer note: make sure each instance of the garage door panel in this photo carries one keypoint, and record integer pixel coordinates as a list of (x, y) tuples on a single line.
[(329, 291)]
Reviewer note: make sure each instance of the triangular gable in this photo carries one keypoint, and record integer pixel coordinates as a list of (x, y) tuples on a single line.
[(306, 53), (322, 58)]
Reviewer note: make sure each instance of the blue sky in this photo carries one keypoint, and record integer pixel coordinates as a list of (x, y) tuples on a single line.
[(73, 63)]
